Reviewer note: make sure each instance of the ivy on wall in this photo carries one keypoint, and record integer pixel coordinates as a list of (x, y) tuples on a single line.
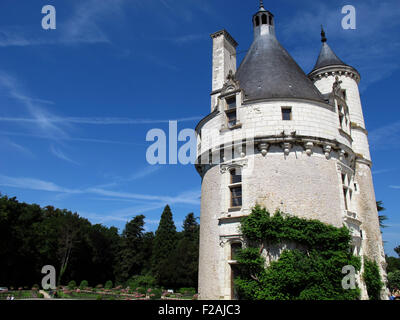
[(314, 273), (372, 279)]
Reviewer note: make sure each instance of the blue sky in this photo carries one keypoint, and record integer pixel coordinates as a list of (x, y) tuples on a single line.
[(76, 102)]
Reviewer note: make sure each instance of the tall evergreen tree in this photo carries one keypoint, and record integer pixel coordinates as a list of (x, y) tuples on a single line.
[(131, 256), (165, 242), (187, 254)]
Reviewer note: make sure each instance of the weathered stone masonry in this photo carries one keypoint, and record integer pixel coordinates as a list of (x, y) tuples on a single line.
[(298, 142)]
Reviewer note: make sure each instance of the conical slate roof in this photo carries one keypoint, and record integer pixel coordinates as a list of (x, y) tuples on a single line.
[(326, 56), (268, 71)]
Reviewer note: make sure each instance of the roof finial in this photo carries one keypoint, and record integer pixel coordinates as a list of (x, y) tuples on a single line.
[(323, 37), (261, 4)]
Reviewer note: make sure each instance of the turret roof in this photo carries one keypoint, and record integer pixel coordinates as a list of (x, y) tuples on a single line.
[(268, 71)]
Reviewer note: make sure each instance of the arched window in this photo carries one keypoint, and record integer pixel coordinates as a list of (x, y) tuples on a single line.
[(257, 20), (264, 19), (271, 21)]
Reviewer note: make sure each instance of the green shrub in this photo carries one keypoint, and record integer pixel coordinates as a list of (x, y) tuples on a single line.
[(312, 273), (72, 285), (155, 294), (394, 280), (141, 290), (372, 279), (145, 281), (40, 296), (108, 285), (187, 291), (99, 297), (84, 284)]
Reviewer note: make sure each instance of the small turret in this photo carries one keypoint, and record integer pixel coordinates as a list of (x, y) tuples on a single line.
[(263, 21), (326, 56)]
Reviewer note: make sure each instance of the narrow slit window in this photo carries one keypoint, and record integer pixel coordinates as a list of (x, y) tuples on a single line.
[(257, 21), (264, 19), (236, 187), (345, 198)]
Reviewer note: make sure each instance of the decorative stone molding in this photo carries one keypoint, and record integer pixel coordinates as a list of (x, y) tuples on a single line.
[(286, 148), (227, 36), (286, 143), (341, 167), (342, 154), (356, 126), (231, 86), (327, 150), (309, 148), (263, 148), (346, 71), (236, 163)]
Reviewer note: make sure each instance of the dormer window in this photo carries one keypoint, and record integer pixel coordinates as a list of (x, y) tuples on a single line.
[(231, 103)]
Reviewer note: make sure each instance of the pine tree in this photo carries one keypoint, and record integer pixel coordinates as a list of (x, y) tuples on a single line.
[(165, 242), (187, 254), (131, 254)]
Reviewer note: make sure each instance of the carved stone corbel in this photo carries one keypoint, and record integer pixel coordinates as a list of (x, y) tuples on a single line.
[(286, 148), (341, 154), (327, 150), (263, 147), (309, 148)]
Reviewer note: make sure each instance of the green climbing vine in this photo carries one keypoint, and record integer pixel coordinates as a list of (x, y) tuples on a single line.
[(312, 273), (372, 279)]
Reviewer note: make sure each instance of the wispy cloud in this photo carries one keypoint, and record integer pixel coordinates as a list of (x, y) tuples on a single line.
[(188, 197), (34, 184), (142, 173), (97, 121), (39, 116), (384, 137), (76, 139), (394, 187), (59, 154), (381, 171), (17, 147), (82, 26)]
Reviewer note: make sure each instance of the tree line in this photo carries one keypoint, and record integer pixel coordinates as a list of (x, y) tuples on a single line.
[(32, 236)]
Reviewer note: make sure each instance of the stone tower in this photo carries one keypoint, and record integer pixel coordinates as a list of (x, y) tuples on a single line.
[(278, 138)]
